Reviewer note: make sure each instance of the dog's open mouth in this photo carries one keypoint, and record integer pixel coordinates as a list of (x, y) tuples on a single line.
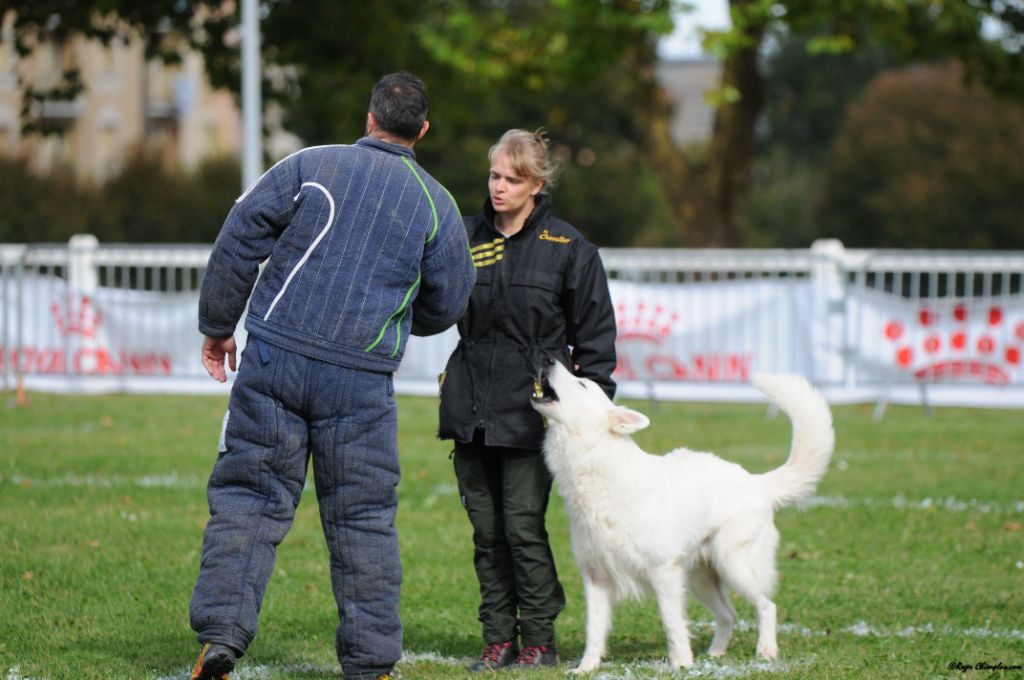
[(543, 392)]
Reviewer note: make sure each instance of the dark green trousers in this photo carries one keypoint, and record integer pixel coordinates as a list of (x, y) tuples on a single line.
[(505, 492)]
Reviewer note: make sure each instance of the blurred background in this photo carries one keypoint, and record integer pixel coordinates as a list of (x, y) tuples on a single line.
[(742, 123)]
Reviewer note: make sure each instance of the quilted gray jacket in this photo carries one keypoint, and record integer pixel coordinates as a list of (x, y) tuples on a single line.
[(364, 247)]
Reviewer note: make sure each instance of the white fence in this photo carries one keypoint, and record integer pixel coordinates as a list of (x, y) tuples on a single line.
[(865, 325)]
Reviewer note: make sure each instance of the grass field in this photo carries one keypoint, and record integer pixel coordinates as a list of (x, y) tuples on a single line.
[(910, 561)]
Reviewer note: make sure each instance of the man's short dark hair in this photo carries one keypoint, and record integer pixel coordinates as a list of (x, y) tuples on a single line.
[(399, 104)]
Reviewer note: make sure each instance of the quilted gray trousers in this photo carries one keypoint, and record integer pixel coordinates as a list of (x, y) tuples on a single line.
[(285, 409)]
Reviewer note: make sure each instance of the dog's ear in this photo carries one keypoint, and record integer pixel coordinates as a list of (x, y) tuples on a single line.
[(627, 421)]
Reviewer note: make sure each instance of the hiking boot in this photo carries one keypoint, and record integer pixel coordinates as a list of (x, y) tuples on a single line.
[(215, 661), (534, 656), (496, 655)]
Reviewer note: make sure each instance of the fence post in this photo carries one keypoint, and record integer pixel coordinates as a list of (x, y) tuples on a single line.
[(830, 306), (82, 274), (11, 262)]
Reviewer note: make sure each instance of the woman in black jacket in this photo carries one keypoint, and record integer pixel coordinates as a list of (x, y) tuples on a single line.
[(541, 292)]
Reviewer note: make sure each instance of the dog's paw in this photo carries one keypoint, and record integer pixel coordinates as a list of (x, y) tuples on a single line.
[(718, 648), (588, 666), (768, 652)]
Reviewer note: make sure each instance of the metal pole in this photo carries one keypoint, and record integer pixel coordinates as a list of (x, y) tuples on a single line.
[(252, 109)]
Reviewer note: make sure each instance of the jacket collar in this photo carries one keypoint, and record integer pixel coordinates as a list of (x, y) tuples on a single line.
[(389, 147), (541, 209)]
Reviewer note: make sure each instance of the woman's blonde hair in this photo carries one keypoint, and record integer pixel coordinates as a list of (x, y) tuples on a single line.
[(529, 154)]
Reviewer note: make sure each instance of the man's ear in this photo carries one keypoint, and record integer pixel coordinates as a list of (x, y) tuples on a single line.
[(371, 123), (627, 421), (423, 130)]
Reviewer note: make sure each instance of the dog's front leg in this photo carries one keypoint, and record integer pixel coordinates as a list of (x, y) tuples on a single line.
[(599, 623), (667, 582)]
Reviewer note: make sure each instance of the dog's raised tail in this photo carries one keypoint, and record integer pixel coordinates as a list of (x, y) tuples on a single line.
[(813, 436)]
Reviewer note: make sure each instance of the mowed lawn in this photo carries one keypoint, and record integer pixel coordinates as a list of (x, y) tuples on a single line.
[(908, 564)]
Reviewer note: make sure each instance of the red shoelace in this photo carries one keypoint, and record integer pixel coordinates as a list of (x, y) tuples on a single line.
[(530, 653), (493, 651)]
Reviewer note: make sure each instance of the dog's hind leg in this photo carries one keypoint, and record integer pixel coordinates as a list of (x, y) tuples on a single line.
[(709, 589), (749, 568), (599, 622), (767, 645), (667, 582)]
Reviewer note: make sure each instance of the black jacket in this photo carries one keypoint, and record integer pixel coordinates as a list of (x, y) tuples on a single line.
[(541, 293)]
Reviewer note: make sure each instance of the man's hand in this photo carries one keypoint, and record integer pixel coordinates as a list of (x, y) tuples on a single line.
[(214, 351)]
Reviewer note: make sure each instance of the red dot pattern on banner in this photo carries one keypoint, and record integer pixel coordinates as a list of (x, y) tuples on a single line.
[(990, 361)]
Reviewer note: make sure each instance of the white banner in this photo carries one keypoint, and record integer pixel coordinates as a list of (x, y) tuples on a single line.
[(938, 341), (67, 334), (682, 338)]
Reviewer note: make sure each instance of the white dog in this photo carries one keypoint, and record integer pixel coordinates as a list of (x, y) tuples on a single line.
[(643, 523)]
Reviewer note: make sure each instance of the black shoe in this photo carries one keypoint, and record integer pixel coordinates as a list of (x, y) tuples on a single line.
[(534, 656), (496, 655), (215, 662)]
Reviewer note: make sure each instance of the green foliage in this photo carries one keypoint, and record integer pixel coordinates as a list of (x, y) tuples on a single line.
[(924, 161), (912, 562), (806, 93), (908, 30), (611, 192), (144, 203), (149, 203), (39, 209), (782, 202), (580, 69), (563, 66)]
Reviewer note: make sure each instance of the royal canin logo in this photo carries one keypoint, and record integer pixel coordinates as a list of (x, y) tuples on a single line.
[(83, 351), (644, 322), (77, 316), (938, 348), (643, 353)]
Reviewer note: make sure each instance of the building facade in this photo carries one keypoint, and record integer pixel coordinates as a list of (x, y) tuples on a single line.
[(685, 83), (128, 104)]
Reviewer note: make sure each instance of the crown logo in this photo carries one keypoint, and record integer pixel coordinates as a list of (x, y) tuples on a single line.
[(989, 349), (644, 321), (77, 316)]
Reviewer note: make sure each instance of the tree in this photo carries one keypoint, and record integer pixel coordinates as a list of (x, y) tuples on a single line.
[(926, 161), (584, 70), (910, 29), (806, 96), (562, 65)]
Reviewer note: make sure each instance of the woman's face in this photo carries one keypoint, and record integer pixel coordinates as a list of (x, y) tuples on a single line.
[(510, 192)]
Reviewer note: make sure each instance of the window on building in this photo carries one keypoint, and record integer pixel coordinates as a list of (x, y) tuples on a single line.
[(211, 139), (107, 60), (108, 151), (6, 47)]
